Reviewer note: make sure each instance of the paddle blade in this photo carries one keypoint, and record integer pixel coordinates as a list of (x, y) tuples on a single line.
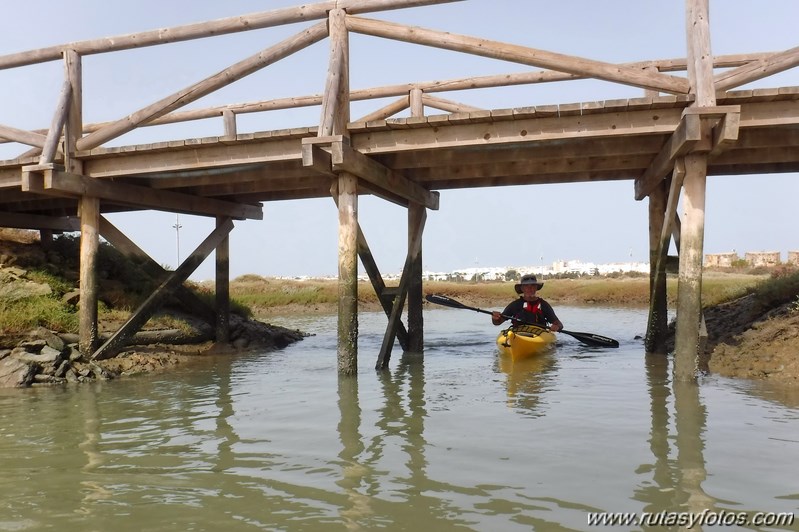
[(596, 340)]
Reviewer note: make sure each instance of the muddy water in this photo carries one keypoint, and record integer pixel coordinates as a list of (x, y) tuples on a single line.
[(457, 440)]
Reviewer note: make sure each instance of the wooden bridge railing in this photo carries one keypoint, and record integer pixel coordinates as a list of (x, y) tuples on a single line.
[(649, 75)]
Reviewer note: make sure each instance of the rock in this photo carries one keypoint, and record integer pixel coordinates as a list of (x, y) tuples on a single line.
[(50, 338), (71, 298), (16, 290), (15, 373)]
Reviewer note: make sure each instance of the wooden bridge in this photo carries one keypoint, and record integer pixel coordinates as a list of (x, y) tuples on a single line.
[(689, 122)]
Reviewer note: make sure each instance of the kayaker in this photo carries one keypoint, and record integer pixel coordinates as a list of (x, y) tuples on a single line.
[(529, 308)]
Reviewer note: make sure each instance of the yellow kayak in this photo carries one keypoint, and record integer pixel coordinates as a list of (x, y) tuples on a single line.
[(524, 341)]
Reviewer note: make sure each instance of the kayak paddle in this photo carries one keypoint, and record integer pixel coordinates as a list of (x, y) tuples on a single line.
[(591, 339)]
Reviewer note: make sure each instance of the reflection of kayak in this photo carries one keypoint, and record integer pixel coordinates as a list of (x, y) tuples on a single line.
[(524, 341)]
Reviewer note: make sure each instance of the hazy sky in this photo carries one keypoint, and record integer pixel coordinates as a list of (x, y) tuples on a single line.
[(598, 222)]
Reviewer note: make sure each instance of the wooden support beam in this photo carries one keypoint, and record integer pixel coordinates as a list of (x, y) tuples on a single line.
[(73, 128), (347, 346), (414, 250), (689, 292), (222, 287), (155, 271), (59, 183), (520, 54), (415, 97), (89, 211), (23, 137), (660, 237), (38, 221), (313, 156), (687, 135), (657, 322), (57, 125), (194, 92), (347, 159), (229, 122), (758, 69), (336, 104), (416, 220), (448, 105), (384, 112), (167, 287), (385, 295)]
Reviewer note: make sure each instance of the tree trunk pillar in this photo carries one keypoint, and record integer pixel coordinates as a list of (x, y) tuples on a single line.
[(89, 244), (223, 288), (692, 233), (415, 316), (347, 274), (658, 309)]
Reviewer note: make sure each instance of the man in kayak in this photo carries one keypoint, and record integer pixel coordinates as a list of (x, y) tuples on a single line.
[(529, 308)]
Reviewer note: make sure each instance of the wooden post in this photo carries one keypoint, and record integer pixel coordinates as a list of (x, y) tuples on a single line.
[(417, 105), (347, 274), (416, 216), (335, 104), (89, 244), (689, 292), (73, 129), (658, 308), (229, 120), (223, 287)]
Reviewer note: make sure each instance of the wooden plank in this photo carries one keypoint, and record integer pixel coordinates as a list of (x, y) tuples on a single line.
[(164, 290), (685, 137), (633, 124), (519, 54), (352, 161), (60, 183), (196, 91), (193, 157)]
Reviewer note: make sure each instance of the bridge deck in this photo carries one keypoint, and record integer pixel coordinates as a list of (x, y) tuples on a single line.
[(595, 141)]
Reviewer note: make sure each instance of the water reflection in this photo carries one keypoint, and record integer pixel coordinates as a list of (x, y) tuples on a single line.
[(676, 483), (527, 380)]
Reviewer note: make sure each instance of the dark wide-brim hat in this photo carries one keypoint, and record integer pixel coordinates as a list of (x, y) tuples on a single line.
[(527, 279)]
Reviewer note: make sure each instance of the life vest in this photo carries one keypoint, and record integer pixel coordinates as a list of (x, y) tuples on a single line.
[(532, 313)]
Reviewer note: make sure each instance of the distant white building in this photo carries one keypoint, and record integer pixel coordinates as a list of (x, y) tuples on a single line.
[(542, 272)]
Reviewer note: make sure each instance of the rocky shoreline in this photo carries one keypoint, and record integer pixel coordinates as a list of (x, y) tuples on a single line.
[(45, 358)]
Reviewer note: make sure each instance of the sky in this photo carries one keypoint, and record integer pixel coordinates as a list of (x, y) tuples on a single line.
[(489, 227)]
